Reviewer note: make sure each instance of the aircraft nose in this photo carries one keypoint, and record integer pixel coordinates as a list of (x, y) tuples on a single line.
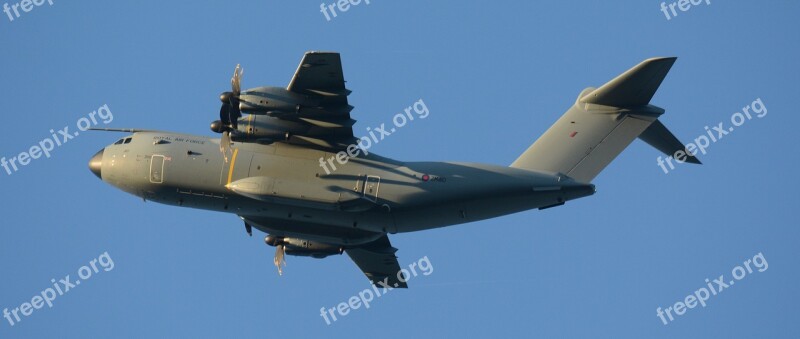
[(96, 163)]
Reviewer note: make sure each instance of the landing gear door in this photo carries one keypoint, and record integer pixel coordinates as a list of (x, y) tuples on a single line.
[(371, 185)]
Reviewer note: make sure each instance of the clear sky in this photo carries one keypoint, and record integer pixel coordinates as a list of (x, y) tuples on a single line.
[(494, 76)]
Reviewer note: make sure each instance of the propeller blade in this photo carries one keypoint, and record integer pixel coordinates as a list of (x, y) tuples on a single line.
[(236, 87), (229, 113), (225, 145), (279, 258), (236, 80)]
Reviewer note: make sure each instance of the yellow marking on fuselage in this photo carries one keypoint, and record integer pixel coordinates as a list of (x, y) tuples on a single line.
[(233, 162)]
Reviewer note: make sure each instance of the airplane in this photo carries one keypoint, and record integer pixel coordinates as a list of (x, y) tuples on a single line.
[(266, 166)]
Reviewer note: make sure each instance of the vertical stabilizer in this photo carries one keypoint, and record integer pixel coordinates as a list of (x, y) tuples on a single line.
[(602, 123)]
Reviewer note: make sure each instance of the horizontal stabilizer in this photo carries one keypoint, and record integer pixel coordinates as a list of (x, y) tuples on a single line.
[(658, 136), (633, 88)]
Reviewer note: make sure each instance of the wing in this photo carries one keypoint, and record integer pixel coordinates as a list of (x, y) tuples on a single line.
[(319, 73), (378, 262), (320, 78)]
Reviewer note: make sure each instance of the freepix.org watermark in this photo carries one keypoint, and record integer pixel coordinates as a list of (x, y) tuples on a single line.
[(329, 10), (682, 5), (24, 5), (48, 295), (47, 145), (715, 287), (713, 134), (364, 143), (365, 297)]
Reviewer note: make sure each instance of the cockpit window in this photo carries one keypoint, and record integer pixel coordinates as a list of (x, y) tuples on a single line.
[(119, 142), (127, 141)]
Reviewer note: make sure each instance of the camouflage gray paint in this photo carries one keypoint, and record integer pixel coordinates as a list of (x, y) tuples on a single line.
[(270, 175)]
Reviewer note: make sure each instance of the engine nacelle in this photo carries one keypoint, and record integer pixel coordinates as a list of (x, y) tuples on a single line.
[(262, 100), (304, 248), (264, 127)]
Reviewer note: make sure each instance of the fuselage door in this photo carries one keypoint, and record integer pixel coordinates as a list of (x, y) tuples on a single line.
[(371, 185), (157, 169)]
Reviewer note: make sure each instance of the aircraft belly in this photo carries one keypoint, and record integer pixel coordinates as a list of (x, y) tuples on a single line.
[(314, 231), (464, 211), (477, 193), (299, 193)]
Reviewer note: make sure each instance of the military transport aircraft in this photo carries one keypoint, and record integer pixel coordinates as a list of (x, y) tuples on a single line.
[(266, 169)]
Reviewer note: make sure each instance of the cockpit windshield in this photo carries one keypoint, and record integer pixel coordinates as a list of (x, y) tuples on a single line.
[(124, 141)]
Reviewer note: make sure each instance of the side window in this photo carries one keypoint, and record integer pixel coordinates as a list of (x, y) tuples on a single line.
[(119, 142)]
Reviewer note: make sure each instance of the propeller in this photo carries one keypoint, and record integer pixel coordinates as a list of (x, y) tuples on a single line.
[(280, 251), (279, 259), (229, 113)]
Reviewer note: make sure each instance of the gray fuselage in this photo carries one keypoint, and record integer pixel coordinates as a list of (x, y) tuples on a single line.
[(284, 190)]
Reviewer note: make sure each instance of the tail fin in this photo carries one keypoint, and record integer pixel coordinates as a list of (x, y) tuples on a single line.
[(602, 123)]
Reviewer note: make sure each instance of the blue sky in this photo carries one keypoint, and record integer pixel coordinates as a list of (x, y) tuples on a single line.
[(494, 76)]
